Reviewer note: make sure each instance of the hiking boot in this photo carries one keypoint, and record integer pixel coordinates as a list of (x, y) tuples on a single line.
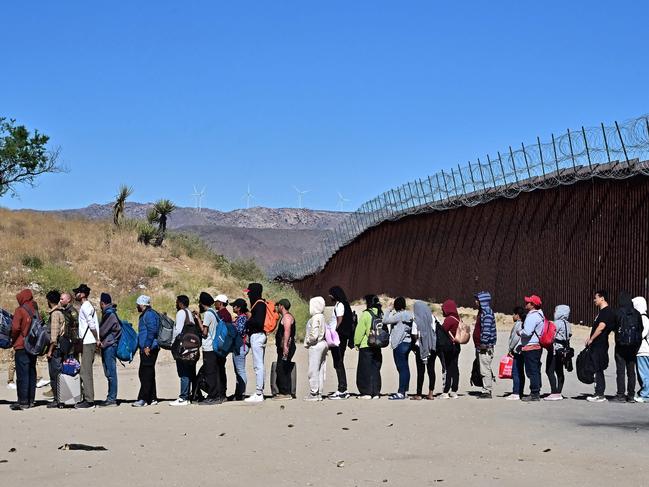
[(484, 395), (531, 398), (179, 402), (139, 404), (108, 404), (619, 398), (596, 399), (84, 405), (255, 398)]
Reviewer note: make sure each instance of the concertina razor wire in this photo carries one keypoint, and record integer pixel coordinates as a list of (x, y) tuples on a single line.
[(616, 151)]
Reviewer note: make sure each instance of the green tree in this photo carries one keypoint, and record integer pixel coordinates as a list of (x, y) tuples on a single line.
[(120, 201), (23, 156)]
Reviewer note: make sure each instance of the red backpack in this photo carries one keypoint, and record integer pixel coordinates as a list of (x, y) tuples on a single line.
[(546, 339)]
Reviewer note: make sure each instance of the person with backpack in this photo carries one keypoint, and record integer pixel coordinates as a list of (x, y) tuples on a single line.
[(531, 345), (110, 331), (240, 308), (257, 337), (285, 343), (401, 321), (25, 362), (424, 340), (208, 325), (642, 357), (71, 324), (56, 326), (554, 364), (224, 316), (518, 369), (485, 336), (344, 323), (147, 334), (368, 371), (451, 355), (89, 336), (315, 343), (603, 325), (186, 369), (628, 337)]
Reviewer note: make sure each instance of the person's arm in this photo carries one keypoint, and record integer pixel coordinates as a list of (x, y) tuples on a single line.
[(361, 329), (199, 322), (93, 325), (598, 331), (339, 316), (287, 321), (180, 323), (57, 324), (391, 318)]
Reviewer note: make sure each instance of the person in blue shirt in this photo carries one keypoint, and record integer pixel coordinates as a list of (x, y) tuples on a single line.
[(148, 327)]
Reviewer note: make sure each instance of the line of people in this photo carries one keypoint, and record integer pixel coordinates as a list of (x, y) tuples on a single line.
[(80, 334)]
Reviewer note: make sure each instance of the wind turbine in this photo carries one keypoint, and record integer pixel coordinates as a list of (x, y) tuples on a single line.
[(300, 195), (248, 196), (198, 196), (341, 201)]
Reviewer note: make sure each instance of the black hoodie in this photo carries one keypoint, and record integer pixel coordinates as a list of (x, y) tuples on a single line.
[(258, 312)]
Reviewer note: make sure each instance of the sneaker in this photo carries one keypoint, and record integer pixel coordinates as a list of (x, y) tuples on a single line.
[(11, 386), (18, 407), (154, 402), (513, 397), (630, 399), (453, 395), (619, 398), (640, 399), (313, 397), (255, 398), (42, 383), (531, 398), (366, 396), (596, 399), (377, 397), (54, 405), (179, 402), (84, 405), (108, 404), (209, 402), (553, 397), (282, 397), (445, 395), (397, 397), (139, 404), (484, 395), (339, 395)]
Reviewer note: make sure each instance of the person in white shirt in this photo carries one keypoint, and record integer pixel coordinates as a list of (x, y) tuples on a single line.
[(89, 335), (186, 369)]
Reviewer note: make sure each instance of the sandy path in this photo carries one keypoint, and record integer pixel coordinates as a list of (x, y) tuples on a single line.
[(459, 442)]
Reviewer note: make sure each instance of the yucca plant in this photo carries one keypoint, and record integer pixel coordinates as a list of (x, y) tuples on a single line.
[(120, 202), (163, 208), (147, 233)]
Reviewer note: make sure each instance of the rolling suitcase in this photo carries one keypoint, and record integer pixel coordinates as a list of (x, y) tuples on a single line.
[(68, 390), (273, 379)]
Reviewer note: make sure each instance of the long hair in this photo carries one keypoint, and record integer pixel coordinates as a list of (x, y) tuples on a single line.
[(338, 294), (400, 303), (372, 301)]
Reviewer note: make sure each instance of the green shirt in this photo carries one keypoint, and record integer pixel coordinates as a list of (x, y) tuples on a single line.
[(363, 328)]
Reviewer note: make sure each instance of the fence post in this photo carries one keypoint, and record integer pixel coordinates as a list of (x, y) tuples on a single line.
[(511, 155), (484, 185), (619, 134), (432, 193), (457, 195), (500, 158), (448, 194), (459, 170), (502, 169), (608, 154), (572, 154), (583, 132), (491, 170), (538, 141), (556, 159)]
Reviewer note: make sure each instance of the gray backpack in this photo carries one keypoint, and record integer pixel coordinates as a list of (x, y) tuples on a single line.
[(38, 338)]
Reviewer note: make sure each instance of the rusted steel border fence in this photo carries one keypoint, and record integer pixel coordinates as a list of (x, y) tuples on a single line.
[(606, 152)]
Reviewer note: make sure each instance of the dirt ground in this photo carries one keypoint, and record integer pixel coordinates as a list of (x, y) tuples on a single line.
[(354, 442)]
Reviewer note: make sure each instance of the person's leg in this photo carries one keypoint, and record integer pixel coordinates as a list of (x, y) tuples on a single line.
[(421, 369), (143, 375), (211, 373), (453, 369), (430, 367), (181, 369), (620, 371), (643, 375), (314, 370), (258, 342), (561, 378), (109, 360), (221, 379), (341, 373), (631, 373), (154, 386), (363, 372), (32, 379), (87, 380), (550, 369), (21, 361), (322, 372), (54, 367), (240, 369), (486, 357), (283, 373), (532, 360), (401, 358), (377, 361), (516, 380)]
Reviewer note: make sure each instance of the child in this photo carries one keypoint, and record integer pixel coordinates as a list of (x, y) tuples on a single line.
[(518, 371)]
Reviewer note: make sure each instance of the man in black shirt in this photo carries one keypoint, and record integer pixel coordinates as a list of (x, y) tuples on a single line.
[(598, 342)]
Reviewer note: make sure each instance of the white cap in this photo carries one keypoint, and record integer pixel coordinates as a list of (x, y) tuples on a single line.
[(222, 298), (143, 300)]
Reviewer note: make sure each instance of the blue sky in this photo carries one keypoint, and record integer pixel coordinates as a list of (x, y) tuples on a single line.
[(355, 97)]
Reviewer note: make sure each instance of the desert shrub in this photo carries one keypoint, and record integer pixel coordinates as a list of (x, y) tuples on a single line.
[(54, 276), (147, 233), (151, 272), (246, 270), (32, 261)]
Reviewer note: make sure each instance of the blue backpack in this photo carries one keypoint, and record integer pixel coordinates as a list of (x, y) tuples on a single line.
[(5, 328), (127, 345), (225, 337)]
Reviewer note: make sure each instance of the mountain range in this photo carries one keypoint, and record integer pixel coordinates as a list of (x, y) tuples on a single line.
[(266, 235)]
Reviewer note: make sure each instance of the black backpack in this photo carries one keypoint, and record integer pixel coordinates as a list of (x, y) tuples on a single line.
[(444, 343), (586, 366), (379, 336), (629, 328), (476, 376)]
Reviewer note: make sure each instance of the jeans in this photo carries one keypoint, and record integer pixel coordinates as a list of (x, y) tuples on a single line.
[(422, 368), (284, 369), (239, 362), (532, 359), (317, 367), (643, 375), (451, 370), (109, 361), (401, 361), (518, 374), (87, 381), (554, 371), (54, 365), (625, 364), (25, 377), (368, 372), (258, 346), (148, 391), (485, 357), (338, 355), (187, 375)]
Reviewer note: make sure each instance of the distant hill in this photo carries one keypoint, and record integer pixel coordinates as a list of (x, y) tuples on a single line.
[(267, 235)]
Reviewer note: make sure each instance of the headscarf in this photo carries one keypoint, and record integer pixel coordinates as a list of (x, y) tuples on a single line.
[(427, 337)]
